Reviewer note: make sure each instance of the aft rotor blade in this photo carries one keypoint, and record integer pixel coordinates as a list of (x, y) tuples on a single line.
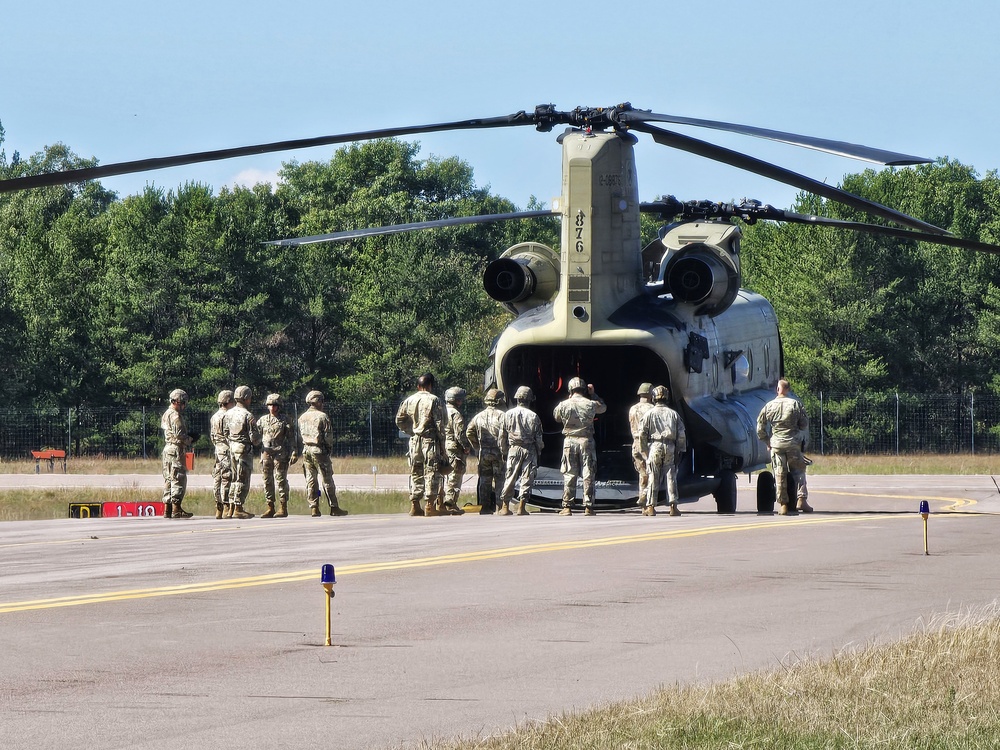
[(353, 234), (903, 234), (145, 165), (774, 172), (840, 148)]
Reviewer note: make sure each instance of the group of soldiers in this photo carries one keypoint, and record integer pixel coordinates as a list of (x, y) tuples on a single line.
[(235, 435), (507, 443)]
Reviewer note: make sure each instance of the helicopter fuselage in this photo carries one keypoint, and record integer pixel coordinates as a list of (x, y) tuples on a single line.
[(588, 311)]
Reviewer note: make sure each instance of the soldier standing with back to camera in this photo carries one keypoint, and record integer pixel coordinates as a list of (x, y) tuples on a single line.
[(579, 459), (244, 436), (280, 446), (521, 440), (484, 437), (422, 417), (635, 415), (662, 439), (176, 442), (222, 470), (316, 432), (458, 447), (781, 424)]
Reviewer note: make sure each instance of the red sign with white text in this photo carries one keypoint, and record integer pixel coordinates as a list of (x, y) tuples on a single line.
[(132, 510)]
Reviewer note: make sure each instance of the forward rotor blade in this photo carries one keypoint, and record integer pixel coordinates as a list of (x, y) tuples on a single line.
[(840, 148), (774, 172), (144, 165), (353, 234)]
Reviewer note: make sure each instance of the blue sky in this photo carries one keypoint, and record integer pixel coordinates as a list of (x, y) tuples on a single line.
[(125, 80)]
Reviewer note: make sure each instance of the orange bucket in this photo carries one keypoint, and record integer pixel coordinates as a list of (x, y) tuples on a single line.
[(189, 460)]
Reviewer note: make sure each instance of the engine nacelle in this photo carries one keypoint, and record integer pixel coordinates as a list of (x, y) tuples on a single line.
[(524, 277), (700, 265)]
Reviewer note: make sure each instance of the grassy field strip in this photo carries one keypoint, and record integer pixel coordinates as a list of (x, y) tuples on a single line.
[(423, 562)]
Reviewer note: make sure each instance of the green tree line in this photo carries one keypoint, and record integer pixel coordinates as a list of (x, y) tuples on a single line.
[(861, 312), (107, 300)]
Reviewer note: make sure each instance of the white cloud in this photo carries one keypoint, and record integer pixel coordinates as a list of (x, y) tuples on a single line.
[(251, 177)]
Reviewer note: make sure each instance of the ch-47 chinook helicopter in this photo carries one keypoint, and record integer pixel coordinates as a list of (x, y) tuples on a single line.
[(617, 314)]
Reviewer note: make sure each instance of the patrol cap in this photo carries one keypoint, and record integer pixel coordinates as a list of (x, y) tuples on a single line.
[(314, 397), (661, 394), (577, 384), (454, 394), (179, 395), (242, 392), (524, 394), (273, 398), (224, 397), (645, 388)]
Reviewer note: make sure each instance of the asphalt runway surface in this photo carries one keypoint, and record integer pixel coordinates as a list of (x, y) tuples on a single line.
[(155, 633)]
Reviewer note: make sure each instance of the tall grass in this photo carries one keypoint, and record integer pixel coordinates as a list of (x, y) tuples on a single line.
[(939, 688)]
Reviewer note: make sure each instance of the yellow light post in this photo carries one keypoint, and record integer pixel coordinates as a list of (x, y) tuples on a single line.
[(328, 577), (924, 512)]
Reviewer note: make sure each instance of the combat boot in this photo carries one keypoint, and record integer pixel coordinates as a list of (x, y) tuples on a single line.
[(336, 510), (452, 509), (673, 509), (804, 507), (269, 513), (240, 513), (228, 512), (218, 510), (282, 510), (415, 509), (504, 509), (588, 511), (566, 511), (168, 510), (429, 509), (786, 510), (179, 512), (521, 510), (315, 512)]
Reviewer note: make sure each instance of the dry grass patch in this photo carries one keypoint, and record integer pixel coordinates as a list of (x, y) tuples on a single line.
[(939, 688)]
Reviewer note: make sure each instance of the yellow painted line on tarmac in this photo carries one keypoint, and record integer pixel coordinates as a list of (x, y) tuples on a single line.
[(425, 562), (954, 502)]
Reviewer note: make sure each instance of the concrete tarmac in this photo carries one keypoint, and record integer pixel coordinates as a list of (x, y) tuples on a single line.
[(155, 633)]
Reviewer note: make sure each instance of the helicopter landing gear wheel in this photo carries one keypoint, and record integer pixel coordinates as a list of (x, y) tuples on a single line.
[(725, 494), (766, 492)]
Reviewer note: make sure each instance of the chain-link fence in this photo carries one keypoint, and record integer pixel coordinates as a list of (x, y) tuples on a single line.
[(363, 429), (840, 423)]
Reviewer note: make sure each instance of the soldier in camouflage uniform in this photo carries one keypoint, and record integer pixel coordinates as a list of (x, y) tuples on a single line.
[(422, 417), (222, 471), (663, 440), (484, 437), (457, 446), (243, 436), (521, 440), (782, 424), (279, 448), (635, 415), (176, 442), (316, 433), (579, 457)]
